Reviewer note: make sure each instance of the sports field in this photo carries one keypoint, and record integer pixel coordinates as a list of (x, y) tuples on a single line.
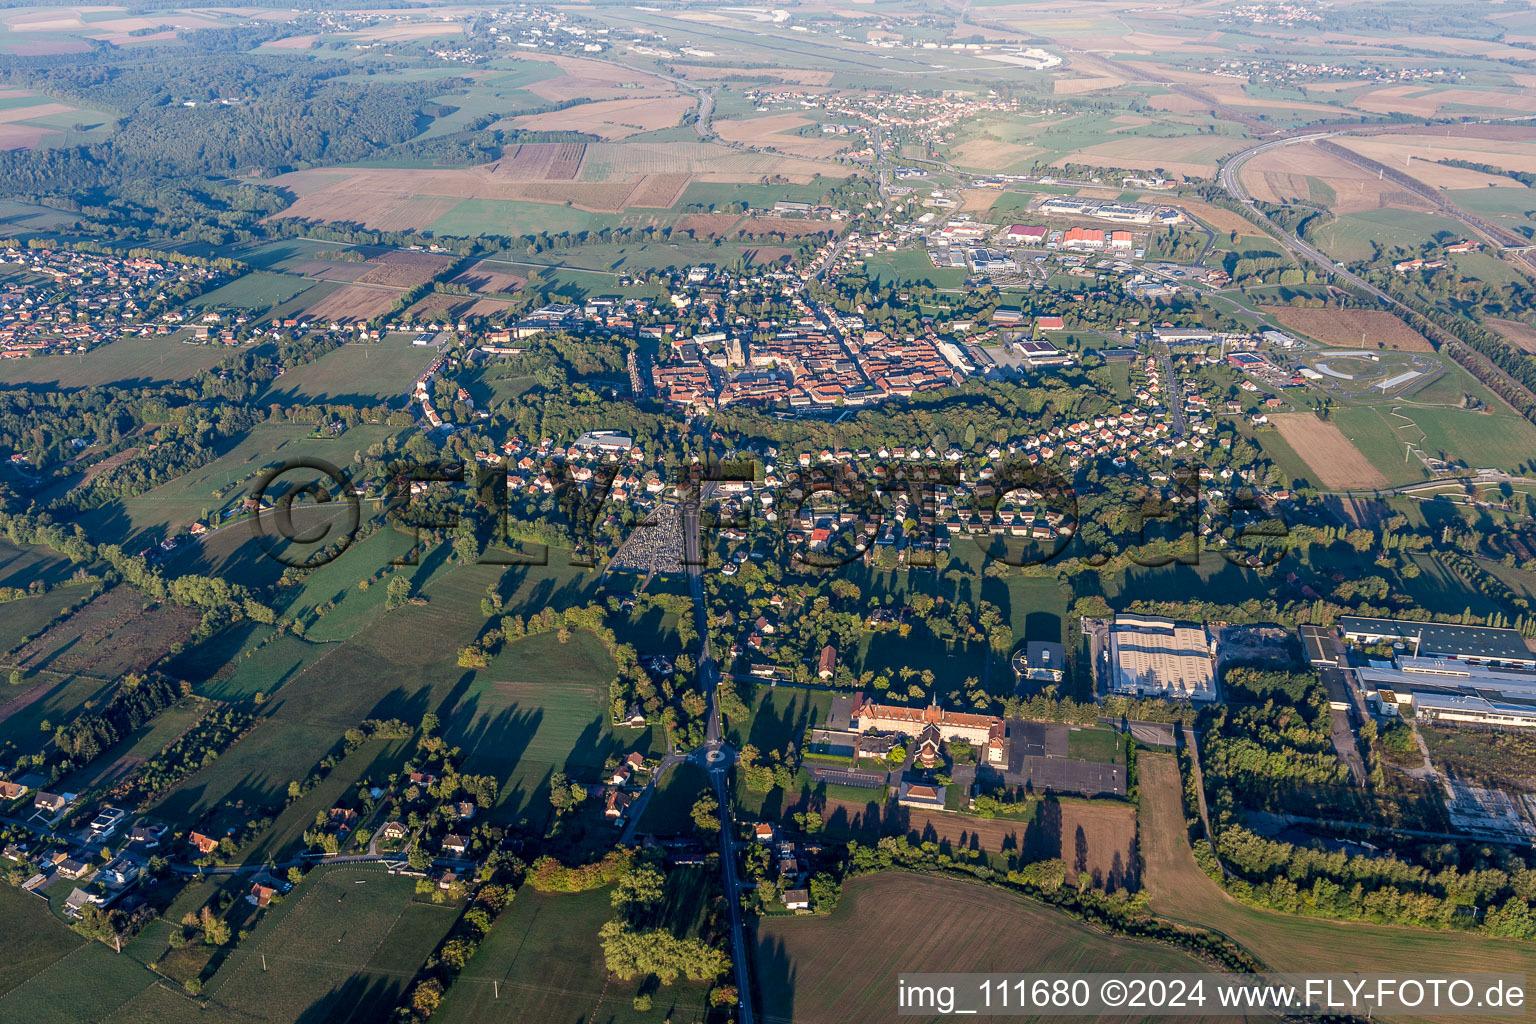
[(844, 967), (1182, 892)]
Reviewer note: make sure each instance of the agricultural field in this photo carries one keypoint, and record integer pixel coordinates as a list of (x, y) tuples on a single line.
[(808, 969), (1182, 892), (341, 947), (1521, 335), (256, 293), (362, 373), (510, 981), (540, 705), (125, 362), (1351, 328), (119, 632), (1329, 453)]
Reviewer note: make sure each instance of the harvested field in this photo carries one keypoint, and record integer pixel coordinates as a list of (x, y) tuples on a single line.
[(1216, 217), (529, 161), (1346, 327), (607, 177), (1328, 453), (1289, 172), (20, 136), (612, 119), (352, 304), (708, 225), (1521, 335), (1420, 101), (398, 269), (1416, 154), (756, 227), (1077, 86), (595, 197), (586, 70), (660, 191), (978, 200), (842, 969), (325, 270), (1191, 156), (112, 635), (992, 154), (765, 254), (38, 110), (441, 306), (1094, 836), (487, 277), (566, 161), (776, 132)]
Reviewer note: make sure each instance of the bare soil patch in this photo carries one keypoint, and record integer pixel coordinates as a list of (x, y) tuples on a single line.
[(660, 191), (1327, 452), (117, 633), (775, 132), (708, 225), (1521, 335), (1345, 327), (404, 269), (1282, 174), (485, 277), (352, 304)]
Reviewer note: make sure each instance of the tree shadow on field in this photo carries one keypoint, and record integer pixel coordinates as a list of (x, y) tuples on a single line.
[(1042, 837), (361, 999), (775, 980)]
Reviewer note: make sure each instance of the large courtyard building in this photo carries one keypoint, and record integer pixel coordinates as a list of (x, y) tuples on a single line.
[(983, 732), (1153, 656)]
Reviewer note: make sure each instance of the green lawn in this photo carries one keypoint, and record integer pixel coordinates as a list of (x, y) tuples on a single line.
[(385, 671), (125, 362), (1350, 236), (363, 373), (669, 809), (256, 292), (59, 993), (542, 963), (541, 705), (779, 716), (372, 763), (36, 938), (1103, 745), (26, 618), (341, 947)]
